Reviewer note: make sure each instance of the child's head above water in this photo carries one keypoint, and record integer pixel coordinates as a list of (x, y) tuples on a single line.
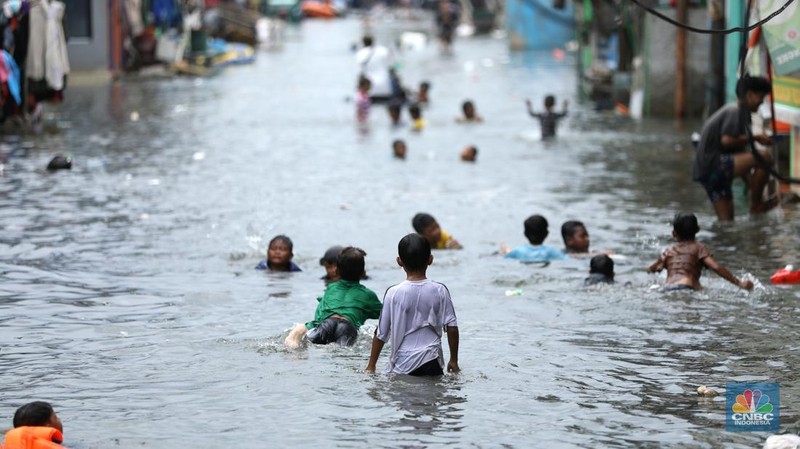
[(415, 253), (328, 261), (576, 238), (38, 414), (536, 229), (468, 107), (364, 84), (602, 264), (427, 227), (549, 102), (415, 112), (350, 264), (395, 113), (279, 253), (399, 149), (469, 154), (684, 226)]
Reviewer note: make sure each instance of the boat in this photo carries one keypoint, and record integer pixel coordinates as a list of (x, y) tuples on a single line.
[(290, 10), (539, 24), (232, 23), (323, 9)]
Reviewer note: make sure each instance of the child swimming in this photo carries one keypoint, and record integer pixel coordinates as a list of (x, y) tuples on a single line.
[(343, 308), (279, 255), (428, 227), (685, 259), (576, 238), (601, 270), (535, 231)]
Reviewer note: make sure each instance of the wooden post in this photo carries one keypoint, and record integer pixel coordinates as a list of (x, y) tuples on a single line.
[(716, 95), (680, 63)]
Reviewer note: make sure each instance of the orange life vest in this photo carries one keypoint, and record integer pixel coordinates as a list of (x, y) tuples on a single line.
[(34, 438)]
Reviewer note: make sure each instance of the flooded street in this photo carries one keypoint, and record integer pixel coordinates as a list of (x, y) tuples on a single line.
[(128, 297)]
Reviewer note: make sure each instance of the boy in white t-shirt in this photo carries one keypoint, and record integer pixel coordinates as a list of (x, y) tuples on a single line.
[(415, 313)]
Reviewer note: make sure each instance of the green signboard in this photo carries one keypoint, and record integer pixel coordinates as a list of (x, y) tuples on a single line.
[(782, 34)]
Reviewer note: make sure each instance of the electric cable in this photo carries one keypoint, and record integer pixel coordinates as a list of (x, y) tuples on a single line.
[(707, 31)]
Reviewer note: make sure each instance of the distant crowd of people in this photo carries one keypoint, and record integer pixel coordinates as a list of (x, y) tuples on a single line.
[(379, 83)]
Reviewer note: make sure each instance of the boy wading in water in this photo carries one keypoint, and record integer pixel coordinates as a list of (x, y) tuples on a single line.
[(549, 118), (415, 313)]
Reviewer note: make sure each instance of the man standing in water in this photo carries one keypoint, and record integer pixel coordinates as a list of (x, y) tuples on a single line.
[(723, 152), (374, 62), (447, 17)]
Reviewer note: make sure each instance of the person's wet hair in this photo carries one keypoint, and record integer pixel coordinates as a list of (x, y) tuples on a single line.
[(36, 413), (414, 111), (536, 229), (602, 264), (350, 263), (549, 101), (415, 252), (685, 226), (367, 41), (422, 221), (470, 153), (364, 82), (331, 255), (60, 162), (753, 83), (425, 85), (399, 148), (467, 105), (569, 228), (282, 238)]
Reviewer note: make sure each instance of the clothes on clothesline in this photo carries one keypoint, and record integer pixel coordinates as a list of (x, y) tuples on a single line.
[(47, 46)]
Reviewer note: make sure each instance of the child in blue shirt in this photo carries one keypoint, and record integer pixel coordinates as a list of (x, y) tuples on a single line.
[(535, 231)]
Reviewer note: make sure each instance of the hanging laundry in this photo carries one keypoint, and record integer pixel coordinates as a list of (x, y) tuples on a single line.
[(166, 13), (11, 76), (47, 48), (133, 14)]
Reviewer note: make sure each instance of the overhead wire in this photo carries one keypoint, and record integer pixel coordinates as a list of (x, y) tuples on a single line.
[(708, 31), (744, 29)]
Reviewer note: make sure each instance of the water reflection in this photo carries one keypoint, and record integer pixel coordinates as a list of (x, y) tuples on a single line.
[(427, 406)]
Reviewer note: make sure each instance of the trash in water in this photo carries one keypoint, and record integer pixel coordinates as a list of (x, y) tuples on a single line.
[(515, 292), (703, 390)]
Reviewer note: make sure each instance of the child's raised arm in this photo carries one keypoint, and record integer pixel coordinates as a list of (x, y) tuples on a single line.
[(530, 107), (727, 275)]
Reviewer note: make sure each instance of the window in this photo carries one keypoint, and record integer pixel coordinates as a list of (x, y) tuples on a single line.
[(79, 19)]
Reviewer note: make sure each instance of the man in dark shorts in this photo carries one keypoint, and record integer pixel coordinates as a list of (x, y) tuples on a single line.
[(723, 152)]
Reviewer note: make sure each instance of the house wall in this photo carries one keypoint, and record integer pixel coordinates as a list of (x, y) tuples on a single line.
[(88, 52), (660, 63)]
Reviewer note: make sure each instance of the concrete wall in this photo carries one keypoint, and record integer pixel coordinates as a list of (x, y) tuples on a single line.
[(659, 64), (91, 54)]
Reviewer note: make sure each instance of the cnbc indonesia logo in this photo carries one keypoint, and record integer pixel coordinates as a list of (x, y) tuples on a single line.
[(752, 408)]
